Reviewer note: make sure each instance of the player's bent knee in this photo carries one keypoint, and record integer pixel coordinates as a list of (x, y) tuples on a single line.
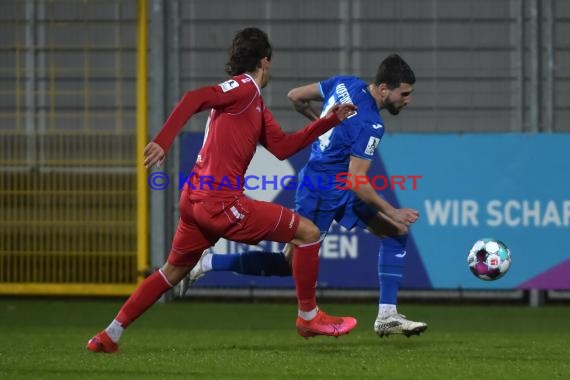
[(174, 273), (314, 235), (307, 232)]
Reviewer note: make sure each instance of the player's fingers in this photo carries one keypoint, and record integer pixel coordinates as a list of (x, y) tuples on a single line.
[(148, 153), (344, 111), (350, 107), (151, 147), (148, 163), (151, 160), (413, 213), (345, 108), (409, 217)]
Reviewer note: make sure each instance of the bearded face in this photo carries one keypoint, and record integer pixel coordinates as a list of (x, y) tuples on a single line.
[(398, 98)]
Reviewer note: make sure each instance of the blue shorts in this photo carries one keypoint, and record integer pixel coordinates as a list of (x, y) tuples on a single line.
[(322, 206)]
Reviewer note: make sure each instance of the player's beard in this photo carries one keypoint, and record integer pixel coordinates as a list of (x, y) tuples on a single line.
[(391, 107)]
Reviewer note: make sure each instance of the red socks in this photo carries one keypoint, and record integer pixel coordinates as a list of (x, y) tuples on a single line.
[(305, 273), (147, 293)]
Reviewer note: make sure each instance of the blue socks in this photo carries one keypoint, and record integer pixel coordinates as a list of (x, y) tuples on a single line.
[(255, 263), (391, 260)]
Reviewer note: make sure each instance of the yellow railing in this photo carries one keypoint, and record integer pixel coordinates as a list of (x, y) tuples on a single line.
[(68, 219), (73, 196), (142, 133)]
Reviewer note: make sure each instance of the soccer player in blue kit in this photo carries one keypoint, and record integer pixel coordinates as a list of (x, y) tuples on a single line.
[(347, 148)]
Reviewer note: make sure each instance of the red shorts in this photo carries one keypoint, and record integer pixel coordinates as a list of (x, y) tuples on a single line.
[(202, 223)]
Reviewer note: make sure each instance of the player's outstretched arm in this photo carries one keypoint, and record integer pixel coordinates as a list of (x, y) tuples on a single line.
[(301, 97), (283, 145), (196, 101), (358, 168)]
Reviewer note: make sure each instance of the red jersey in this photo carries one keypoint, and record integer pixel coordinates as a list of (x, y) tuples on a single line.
[(238, 121), (232, 135)]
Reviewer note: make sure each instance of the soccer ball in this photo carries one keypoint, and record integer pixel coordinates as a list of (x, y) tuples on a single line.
[(489, 259)]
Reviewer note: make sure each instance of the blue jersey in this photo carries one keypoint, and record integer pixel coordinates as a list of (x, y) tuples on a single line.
[(359, 135), (318, 198)]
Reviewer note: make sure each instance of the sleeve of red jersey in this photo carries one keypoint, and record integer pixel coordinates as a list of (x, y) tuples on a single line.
[(229, 96), (283, 145)]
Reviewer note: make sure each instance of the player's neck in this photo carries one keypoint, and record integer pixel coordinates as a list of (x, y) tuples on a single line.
[(258, 77), (373, 91)]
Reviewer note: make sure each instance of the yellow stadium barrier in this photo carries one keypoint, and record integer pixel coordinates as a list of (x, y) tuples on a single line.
[(73, 197)]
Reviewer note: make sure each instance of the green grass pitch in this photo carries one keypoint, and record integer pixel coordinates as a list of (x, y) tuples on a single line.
[(45, 339)]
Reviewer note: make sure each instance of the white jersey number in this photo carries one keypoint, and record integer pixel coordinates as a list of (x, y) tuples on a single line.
[(325, 138)]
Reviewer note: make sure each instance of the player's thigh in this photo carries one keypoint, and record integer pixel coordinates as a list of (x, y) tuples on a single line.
[(258, 220), (307, 203), (352, 212), (188, 244), (310, 205), (189, 239)]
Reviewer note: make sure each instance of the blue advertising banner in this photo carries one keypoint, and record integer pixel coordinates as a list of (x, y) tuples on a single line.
[(511, 187)]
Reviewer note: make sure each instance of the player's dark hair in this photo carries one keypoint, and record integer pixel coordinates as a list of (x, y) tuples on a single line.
[(249, 46), (393, 71)]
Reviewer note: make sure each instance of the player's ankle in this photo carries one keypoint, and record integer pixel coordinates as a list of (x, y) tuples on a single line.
[(308, 315), (115, 331), (385, 310)]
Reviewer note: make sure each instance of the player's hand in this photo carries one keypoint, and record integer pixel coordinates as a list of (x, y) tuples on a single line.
[(342, 111), (153, 155), (406, 216)]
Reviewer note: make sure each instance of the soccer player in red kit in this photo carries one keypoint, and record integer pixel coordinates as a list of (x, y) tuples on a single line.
[(217, 208)]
